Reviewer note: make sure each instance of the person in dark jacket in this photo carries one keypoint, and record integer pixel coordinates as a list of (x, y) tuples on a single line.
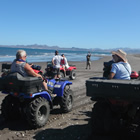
[(88, 64)]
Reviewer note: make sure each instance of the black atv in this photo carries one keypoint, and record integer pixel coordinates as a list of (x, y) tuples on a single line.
[(117, 104), (50, 71)]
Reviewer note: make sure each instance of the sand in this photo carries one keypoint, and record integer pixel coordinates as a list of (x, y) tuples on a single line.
[(74, 125)]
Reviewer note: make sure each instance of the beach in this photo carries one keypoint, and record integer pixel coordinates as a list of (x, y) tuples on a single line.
[(74, 125)]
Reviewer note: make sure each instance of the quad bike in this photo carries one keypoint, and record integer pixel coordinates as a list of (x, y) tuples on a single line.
[(37, 69), (26, 98), (69, 72), (6, 69), (117, 105)]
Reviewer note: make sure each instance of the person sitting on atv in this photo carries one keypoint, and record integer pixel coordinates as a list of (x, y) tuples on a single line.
[(56, 64), (121, 69), (64, 63), (21, 66)]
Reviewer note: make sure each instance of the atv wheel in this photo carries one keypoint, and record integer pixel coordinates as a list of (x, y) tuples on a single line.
[(61, 75), (101, 118), (66, 102), (10, 108), (73, 75), (37, 112)]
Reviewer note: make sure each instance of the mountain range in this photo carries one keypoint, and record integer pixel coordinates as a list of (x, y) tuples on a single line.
[(36, 46)]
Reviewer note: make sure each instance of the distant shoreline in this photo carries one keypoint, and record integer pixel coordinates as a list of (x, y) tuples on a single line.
[(100, 57), (46, 47), (97, 65)]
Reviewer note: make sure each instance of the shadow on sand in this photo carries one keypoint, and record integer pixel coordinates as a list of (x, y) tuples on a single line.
[(83, 132), (73, 132)]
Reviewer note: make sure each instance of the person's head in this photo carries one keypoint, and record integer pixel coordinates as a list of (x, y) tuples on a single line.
[(21, 54), (62, 55), (119, 55), (56, 52)]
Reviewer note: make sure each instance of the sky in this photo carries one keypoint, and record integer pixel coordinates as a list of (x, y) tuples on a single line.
[(104, 24)]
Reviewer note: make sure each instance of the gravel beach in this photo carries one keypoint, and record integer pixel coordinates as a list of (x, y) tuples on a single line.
[(74, 125)]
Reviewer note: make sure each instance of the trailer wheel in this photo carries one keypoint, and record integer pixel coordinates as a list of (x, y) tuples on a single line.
[(10, 108), (37, 112), (66, 102)]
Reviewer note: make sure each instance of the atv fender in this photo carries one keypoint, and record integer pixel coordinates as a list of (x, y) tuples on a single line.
[(43, 94), (60, 86)]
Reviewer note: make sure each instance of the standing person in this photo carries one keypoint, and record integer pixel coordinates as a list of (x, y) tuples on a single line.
[(88, 61), (121, 69), (19, 65), (56, 63), (64, 63)]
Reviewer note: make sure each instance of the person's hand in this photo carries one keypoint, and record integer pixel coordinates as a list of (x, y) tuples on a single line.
[(40, 76)]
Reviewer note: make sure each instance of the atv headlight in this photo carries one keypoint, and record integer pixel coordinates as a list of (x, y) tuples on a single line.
[(57, 86), (50, 83)]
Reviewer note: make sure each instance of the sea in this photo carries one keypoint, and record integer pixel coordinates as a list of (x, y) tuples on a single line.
[(7, 54)]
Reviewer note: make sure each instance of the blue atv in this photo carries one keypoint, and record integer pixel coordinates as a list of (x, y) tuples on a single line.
[(26, 98)]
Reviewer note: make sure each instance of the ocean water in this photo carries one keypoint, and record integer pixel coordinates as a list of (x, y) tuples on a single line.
[(44, 55)]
